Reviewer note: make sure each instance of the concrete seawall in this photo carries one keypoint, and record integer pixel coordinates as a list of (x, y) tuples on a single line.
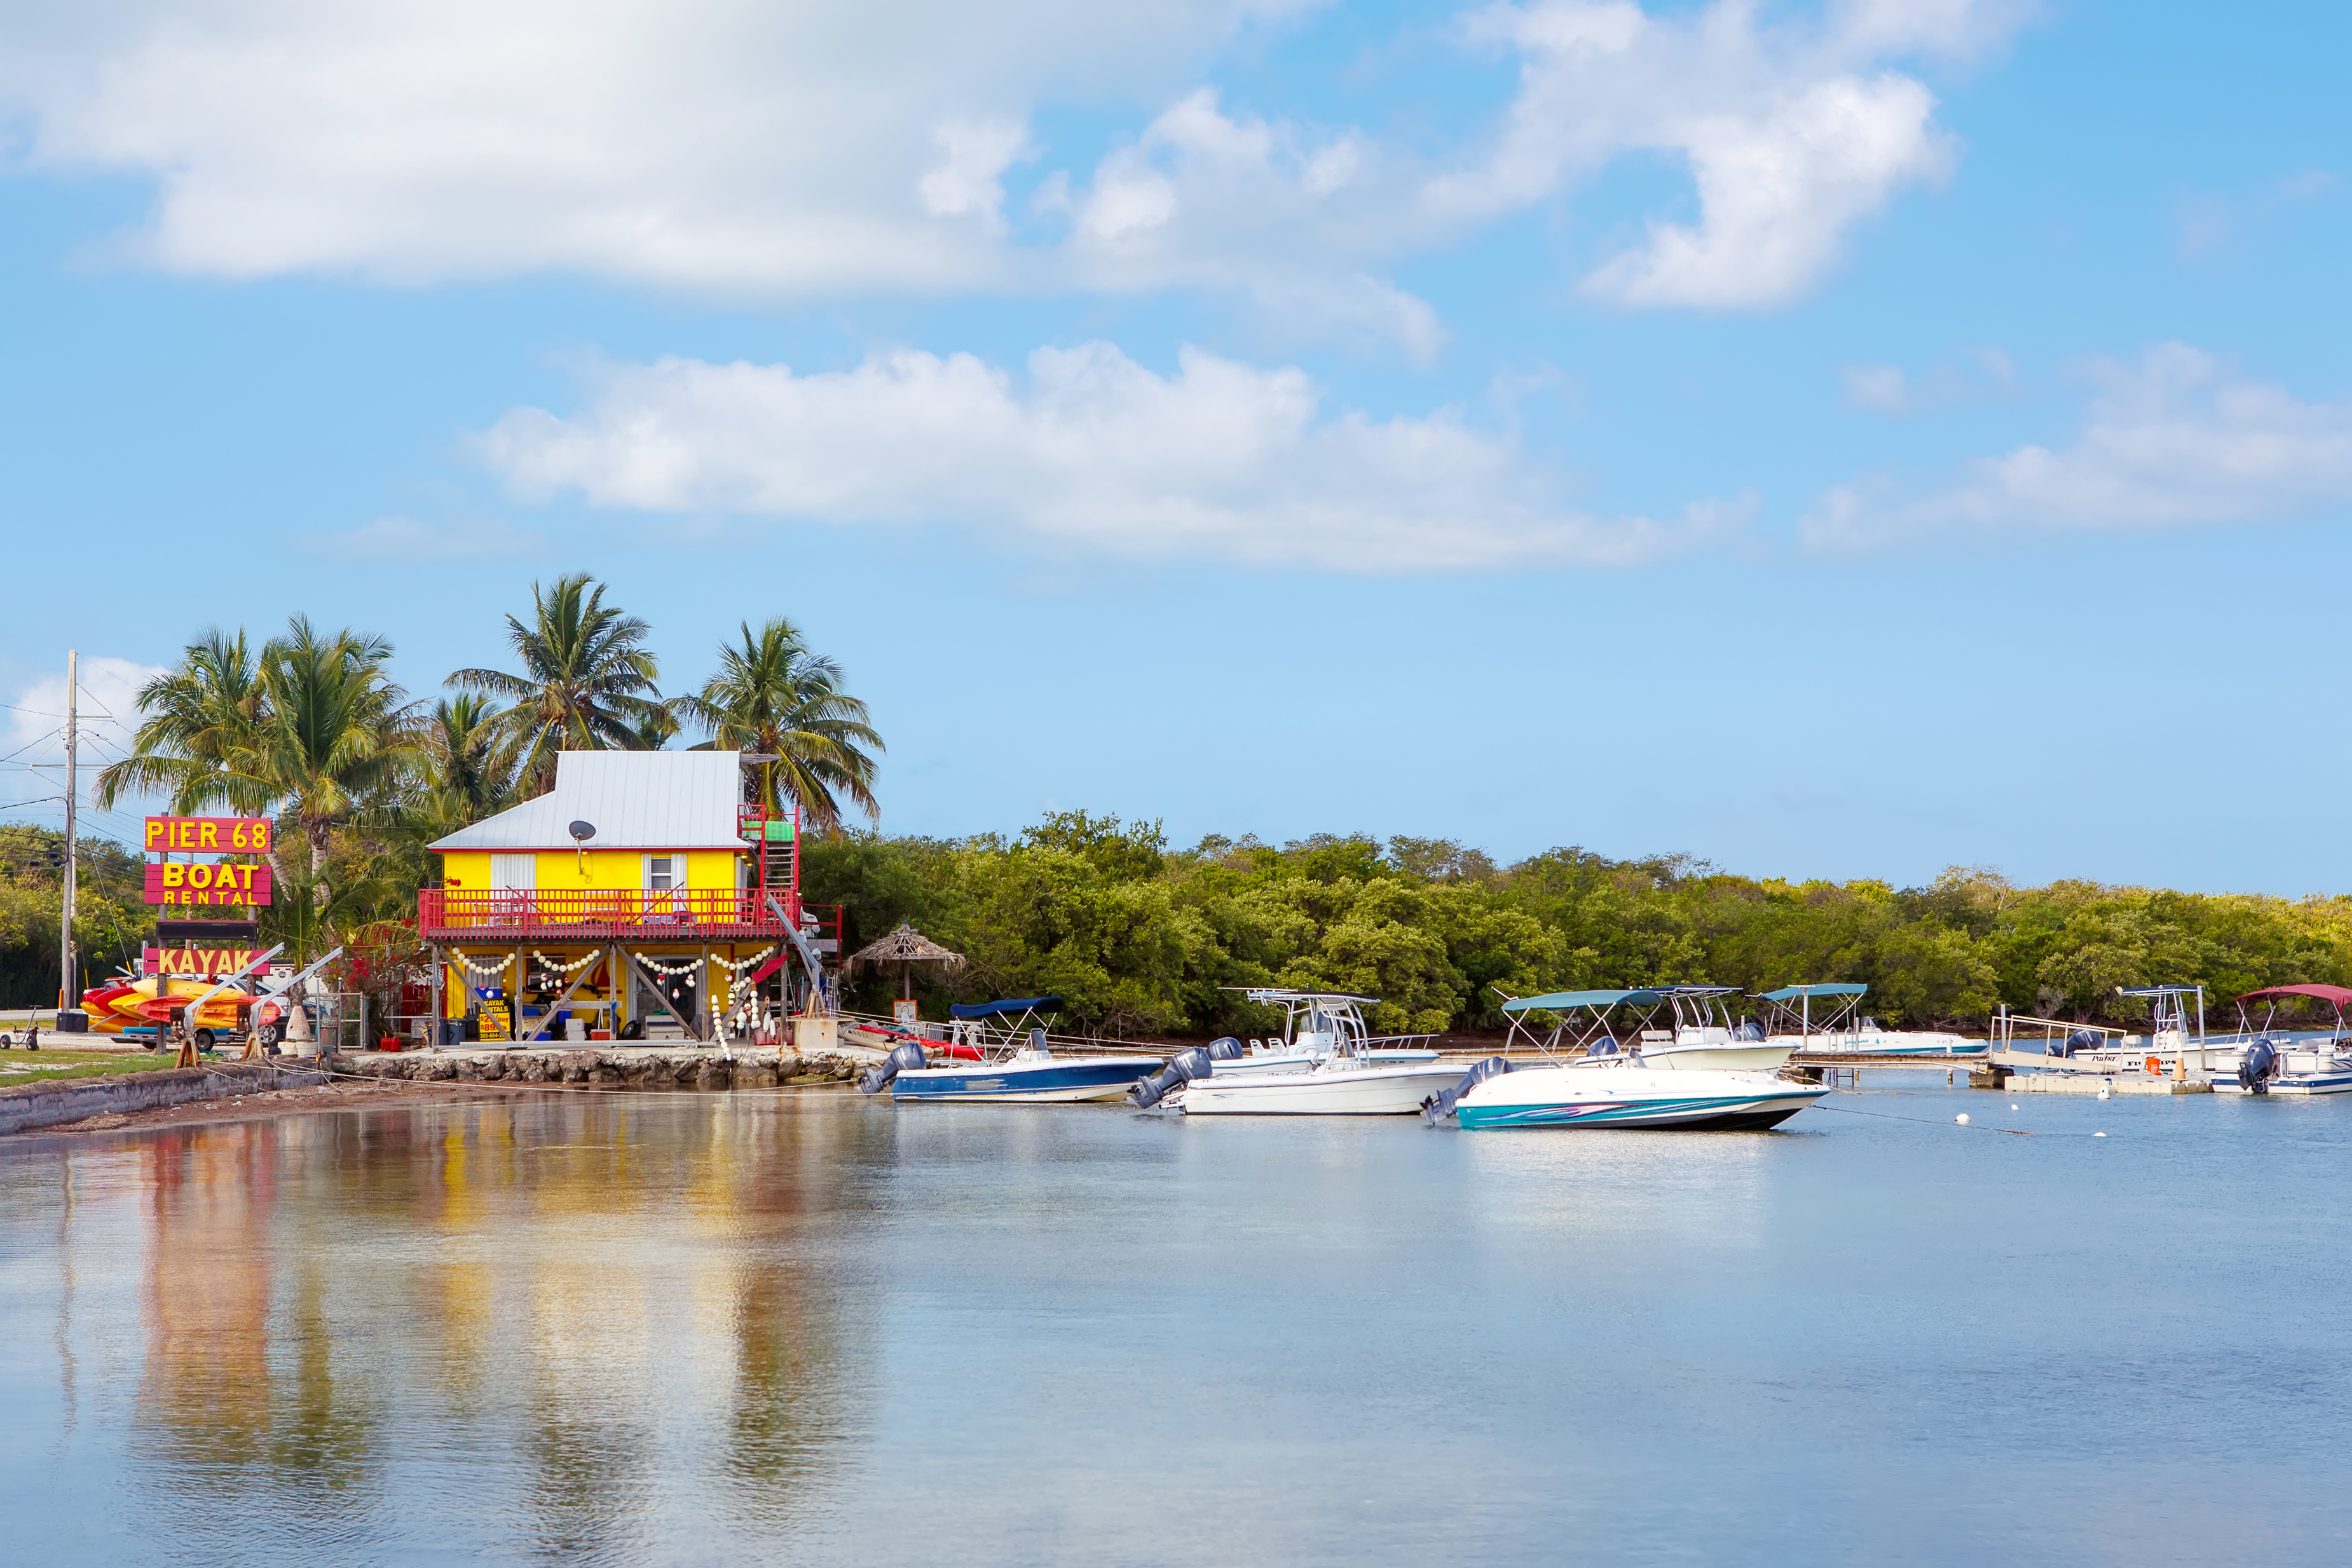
[(648, 1068), (53, 1103)]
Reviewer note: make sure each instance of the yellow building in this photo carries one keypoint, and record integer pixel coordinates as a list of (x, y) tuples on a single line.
[(641, 891)]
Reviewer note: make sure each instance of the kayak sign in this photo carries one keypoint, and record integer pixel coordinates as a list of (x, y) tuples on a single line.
[(199, 963), (175, 881), (208, 836)]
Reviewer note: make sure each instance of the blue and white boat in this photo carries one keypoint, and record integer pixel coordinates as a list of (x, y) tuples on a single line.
[(998, 1063)]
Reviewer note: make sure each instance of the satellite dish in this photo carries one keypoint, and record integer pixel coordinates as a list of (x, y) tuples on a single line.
[(583, 831)]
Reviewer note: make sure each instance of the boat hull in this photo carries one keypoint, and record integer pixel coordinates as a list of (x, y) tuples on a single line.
[(1301, 1061), (1892, 1043), (1375, 1089), (1581, 1097), (1763, 1056), (1062, 1079)]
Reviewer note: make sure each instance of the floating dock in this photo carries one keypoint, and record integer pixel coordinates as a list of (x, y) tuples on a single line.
[(2026, 1072)]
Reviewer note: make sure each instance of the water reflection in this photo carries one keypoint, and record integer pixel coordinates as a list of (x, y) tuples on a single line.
[(554, 1305), (643, 1329)]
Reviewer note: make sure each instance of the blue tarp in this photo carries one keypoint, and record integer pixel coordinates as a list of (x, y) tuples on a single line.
[(1835, 989), (1557, 1000), (1015, 1005)]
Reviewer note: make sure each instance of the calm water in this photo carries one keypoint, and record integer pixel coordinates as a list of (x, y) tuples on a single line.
[(678, 1330)]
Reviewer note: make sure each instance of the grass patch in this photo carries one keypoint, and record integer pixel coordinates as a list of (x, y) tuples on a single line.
[(46, 1064)]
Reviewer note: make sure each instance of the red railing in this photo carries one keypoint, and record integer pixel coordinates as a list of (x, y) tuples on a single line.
[(684, 915)]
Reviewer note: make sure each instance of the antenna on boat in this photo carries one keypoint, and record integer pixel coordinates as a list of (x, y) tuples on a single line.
[(72, 866)]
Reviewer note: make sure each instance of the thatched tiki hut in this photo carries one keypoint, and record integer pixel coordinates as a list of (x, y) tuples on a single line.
[(906, 947)]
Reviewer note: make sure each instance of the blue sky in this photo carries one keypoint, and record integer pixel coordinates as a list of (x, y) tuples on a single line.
[(1834, 441)]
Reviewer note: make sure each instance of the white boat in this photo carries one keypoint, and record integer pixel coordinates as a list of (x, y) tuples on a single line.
[(1840, 1033), (1702, 1037), (1343, 1078), (1309, 1037), (1604, 1091), (2269, 1060)]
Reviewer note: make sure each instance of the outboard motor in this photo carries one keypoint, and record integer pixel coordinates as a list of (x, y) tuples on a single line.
[(1439, 1106), (1749, 1029), (1182, 1068), (903, 1059), (2258, 1067), (1226, 1049), (2081, 1040)]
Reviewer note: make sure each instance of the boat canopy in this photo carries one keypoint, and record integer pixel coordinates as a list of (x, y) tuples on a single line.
[(1015, 1005), (1831, 988), (2335, 995), (2158, 990), (1555, 1000)]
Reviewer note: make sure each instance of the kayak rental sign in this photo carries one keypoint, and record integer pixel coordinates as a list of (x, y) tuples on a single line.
[(198, 963), (208, 884)]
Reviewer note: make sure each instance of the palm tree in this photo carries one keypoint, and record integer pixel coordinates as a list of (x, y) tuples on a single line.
[(587, 683), (314, 729), (202, 721), (469, 768), (339, 731), (773, 694)]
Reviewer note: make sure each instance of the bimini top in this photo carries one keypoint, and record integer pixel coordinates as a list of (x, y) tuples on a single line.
[(1557, 999), (1015, 1005), (635, 799), (2334, 995), (1831, 988), (1275, 994)]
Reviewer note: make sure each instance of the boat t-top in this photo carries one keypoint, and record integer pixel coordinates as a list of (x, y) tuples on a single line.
[(1587, 1079), (1006, 1055), (1677, 1028), (1823, 1018), (1344, 1074), (1314, 1024)]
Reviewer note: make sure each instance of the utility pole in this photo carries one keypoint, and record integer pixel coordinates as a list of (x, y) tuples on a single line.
[(66, 995)]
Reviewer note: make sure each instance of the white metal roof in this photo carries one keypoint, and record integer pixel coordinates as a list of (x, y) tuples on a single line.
[(635, 800)]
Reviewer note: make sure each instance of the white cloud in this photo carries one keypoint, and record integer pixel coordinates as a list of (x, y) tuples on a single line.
[(2177, 440), (409, 539), (1219, 460), (774, 147), (791, 149), (1793, 133)]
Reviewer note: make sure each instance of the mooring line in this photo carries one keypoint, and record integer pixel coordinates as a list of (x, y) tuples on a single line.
[(1925, 1122)]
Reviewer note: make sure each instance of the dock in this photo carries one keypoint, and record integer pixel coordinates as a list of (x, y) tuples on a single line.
[(2029, 1072)]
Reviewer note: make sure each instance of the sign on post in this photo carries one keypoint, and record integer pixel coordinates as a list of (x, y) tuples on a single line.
[(198, 963), (208, 835), (176, 882), (190, 882)]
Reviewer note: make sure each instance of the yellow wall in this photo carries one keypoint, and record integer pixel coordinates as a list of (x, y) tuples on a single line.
[(562, 871)]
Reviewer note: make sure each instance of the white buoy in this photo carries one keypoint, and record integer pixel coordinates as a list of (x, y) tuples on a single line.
[(2099, 1135), (2102, 1094), (2013, 1105), (1962, 1118)]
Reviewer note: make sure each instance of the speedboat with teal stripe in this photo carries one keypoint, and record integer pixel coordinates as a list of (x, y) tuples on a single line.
[(1587, 1079), (1606, 1094)]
